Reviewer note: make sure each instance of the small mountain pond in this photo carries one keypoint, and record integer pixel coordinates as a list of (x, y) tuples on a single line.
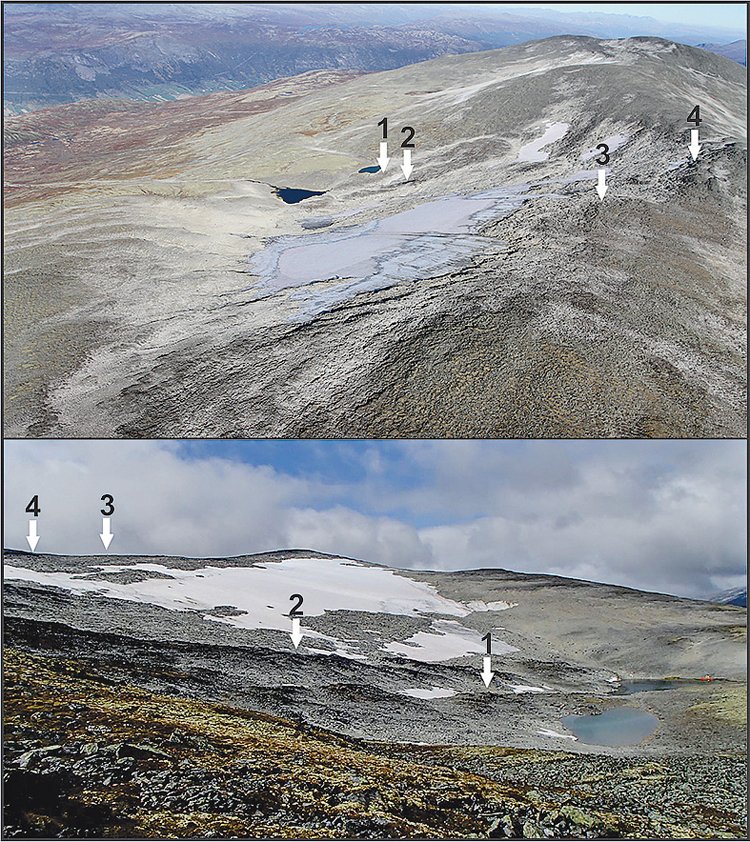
[(292, 195), (625, 726), (615, 727)]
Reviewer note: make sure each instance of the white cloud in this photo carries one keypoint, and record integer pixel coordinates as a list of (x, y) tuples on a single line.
[(370, 538), (164, 504)]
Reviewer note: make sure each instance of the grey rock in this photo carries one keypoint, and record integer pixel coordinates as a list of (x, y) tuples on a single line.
[(139, 752), (30, 759)]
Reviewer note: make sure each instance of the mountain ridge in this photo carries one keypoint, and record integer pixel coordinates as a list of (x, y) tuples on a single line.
[(281, 553)]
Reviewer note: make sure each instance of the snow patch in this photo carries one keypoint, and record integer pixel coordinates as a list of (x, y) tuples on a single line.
[(614, 142), (426, 693), (528, 688), (532, 152), (546, 732), (468, 91), (500, 605), (344, 653), (445, 639)]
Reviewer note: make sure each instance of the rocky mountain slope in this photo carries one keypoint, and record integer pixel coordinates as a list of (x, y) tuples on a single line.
[(158, 285), (193, 711), (374, 636)]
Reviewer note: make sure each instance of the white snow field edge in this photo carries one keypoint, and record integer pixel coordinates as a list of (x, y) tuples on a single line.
[(262, 592)]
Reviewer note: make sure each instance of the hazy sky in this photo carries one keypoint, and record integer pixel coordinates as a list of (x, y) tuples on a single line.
[(708, 14), (667, 516)]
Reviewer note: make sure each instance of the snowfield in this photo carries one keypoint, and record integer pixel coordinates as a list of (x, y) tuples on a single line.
[(547, 732), (532, 152), (428, 693), (446, 639), (260, 594), (528, 688)]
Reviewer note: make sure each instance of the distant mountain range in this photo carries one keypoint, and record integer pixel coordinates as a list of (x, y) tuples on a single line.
[(736, 50), (735, 596), (64, 52)]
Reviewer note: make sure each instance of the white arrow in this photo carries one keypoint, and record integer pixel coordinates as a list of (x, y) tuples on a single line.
[(32, 537), (487, 674), (694, 147), (406, 166), (383, 158), (106, 535), (601, 183), (296, 633)]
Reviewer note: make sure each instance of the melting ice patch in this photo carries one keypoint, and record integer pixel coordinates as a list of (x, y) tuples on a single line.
[(431, 239), (532, 152)]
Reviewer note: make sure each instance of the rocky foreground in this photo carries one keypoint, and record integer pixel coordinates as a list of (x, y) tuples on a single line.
[(86, 755), (163, 697)]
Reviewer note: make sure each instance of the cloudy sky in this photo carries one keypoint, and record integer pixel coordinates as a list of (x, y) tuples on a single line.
[(666, 516)]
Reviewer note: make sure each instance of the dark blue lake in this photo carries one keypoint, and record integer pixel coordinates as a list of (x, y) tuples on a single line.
[(292, 195), (614, 727), (370, 169)]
